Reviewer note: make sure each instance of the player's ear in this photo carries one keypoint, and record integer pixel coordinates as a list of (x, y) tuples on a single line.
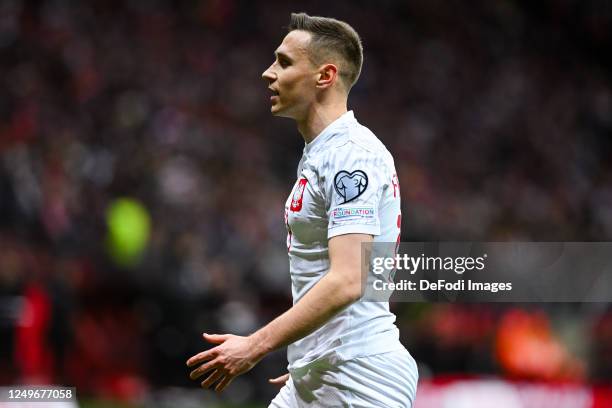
[(328, 74)]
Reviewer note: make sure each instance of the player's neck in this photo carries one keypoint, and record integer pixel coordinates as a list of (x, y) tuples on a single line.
[(318, 118)]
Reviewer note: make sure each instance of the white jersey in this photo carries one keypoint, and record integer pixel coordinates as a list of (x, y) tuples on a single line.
[(346, 183)]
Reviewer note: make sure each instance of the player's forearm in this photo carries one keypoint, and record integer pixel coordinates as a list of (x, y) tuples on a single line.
[(329, 296)]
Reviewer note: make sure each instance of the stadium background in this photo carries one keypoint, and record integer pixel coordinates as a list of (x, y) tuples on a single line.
[(142, 181)]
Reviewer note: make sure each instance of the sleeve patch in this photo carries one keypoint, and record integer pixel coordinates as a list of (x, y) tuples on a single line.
[(341, 215), (349, 186)]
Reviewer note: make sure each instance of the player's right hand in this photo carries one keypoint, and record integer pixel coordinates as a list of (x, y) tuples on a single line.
[(279, 381)]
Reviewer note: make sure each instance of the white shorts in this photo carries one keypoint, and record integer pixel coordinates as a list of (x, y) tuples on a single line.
[(383, 380)]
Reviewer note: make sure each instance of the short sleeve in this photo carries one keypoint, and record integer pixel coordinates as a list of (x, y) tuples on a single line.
[(353, 188)]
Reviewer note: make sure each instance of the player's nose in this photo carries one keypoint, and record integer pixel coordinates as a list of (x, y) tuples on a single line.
[(268, 75)]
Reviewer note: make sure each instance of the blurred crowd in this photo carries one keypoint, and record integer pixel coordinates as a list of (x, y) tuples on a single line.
[(498, 114)]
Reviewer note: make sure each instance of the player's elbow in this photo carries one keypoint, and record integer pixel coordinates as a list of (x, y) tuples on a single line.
[(354, 292), (348, 289)]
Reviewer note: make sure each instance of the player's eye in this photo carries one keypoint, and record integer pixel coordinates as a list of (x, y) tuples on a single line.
[(283, 62)]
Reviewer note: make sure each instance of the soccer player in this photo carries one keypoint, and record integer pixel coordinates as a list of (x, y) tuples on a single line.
[(342, 351)]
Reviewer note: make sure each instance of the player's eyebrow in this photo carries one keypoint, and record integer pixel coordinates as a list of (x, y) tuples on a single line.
[(280, 54)]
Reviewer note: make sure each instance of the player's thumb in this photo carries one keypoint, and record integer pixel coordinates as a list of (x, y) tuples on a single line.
[(279, 380), (215, 338)]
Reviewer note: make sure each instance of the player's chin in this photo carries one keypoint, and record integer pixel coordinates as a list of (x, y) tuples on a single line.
[(282, 111), (276, 110)]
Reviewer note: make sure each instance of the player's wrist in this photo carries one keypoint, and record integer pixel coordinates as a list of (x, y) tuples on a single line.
[(260, 344)]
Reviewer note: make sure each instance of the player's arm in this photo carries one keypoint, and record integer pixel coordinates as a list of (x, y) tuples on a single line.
[(340, 287)]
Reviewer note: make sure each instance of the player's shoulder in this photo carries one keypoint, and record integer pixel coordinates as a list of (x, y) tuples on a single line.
[(356, 142), (348, 144)]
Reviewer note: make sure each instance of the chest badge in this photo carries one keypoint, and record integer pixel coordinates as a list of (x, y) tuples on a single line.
[(298, 195)]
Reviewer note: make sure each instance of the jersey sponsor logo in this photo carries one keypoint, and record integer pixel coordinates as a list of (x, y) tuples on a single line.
[(298, 195), (349, 186)]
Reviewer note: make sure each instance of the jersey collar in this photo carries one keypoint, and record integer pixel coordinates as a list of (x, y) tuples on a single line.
[(329, 131)]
